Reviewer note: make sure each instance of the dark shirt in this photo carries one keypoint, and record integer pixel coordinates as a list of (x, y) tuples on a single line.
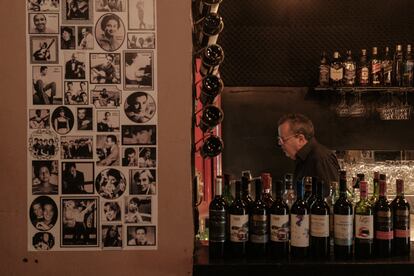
[(313, 159)]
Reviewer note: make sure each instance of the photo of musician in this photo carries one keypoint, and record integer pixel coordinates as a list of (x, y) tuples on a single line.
[(85, 38), (147, 158), (110, 5), (44, 177), (43, 144), (77, 10), (84, 118), (141, 41), (76, 92), (47, 81), (75, 66), (141, 235), (43, 213), (63, 120), (111, 212), (130, 158), (67, 37), (43, 5), (106, 96), (138, 134), (105, 68), (76, 147), (39, 118), (77, 177), (140, 107), (142, 182), (138, 69), (141, 14), (43, 23), (43, 49), (43, 241), (107, 149), (110, 32), (111, 236), (138, 209), (110, 183), (107, 121)]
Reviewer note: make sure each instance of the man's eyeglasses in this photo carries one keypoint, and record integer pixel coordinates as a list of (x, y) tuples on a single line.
[(281, 140)]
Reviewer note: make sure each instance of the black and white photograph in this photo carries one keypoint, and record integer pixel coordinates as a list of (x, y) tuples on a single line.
[(67, 38), (76, 147), (43, 23), (79, 222), (110, 183), (39, 118), (43, 144), (141, 40), (43, 241), (47, 85), (141, 235), (77, 11), (107, 121), (147, 157), (110, 5), (44, 49), (85, 38), (75, 65), (130, 157), (111, 212), (106, 96), (139, 134), (43, 5), (62, 120), (141, 15), (43, 213), (76, 92), (45, 177), (84, 118), (110, 32), (105, 68), (138, 70), (140, 107), (142, 182), (107, 150), (138, 209), (78, 177), (111, 236)]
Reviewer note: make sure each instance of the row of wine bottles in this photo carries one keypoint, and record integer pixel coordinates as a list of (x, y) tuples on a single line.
[(388, 70), (267, 227)]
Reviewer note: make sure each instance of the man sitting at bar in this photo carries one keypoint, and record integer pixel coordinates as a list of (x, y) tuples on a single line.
[(296, 138)]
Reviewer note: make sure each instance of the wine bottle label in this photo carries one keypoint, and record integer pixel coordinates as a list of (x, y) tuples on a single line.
[(402, 224), (387, 66), (299, 230), (239, 228), (319, 225), (364, 78), (343, 229), (337, 74), (364, 227), (323, 74), (279, 228), (350, 74), (376, 68), (259, 229), (217, 225), (383, 225)]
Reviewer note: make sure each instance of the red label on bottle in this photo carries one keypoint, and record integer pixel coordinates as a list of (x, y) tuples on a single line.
[(402, 233), (382, 235)]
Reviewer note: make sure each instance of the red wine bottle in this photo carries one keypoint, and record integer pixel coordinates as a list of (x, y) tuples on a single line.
[(299, 225), (212, 146), (312, 197), (211, 117), (308, 188), (364, 224), (258, 225), (401, 211), (211, 28), (267, 189), (245, 182), (239, 225), (217, 223), (319, 224), (279, 225), (211, 87), (343, 222), (211, 59), (383, 222)]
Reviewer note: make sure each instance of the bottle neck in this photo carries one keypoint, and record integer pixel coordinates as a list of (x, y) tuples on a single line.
[(400, 188), (219, 187), (299, 190), (376, 187), (363, 192), (382, 188), (258, 186), (238, 190), (342, 188)]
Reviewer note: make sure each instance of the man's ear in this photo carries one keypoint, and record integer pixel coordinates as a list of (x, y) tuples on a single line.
[(302, 138)]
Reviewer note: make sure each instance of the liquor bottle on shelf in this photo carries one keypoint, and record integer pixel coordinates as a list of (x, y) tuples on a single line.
[(398, 66), (211, 58), (324, 71), (227, 195), (258, 225), (408, 67), (330, 200), (307, 182), (383, 221), (343, 222), (336, 71), (238, 225), (401, 212), (363, 69), (387, 68), (245, 180), (217, 223), (375, 194), (209, 6), (279, 225), (312, 197), (319, 225), (299, 225), (289, 196), (267, 189), (211, 27), (349, 69), (211, 87), (376, 72), (364, 224)]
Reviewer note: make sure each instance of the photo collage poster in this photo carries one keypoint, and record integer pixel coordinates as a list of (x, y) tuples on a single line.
[(92, 125)]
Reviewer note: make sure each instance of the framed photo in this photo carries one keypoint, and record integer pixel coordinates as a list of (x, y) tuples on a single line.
[(141, 15), (142, 182), (42, 6), (105, 68), (110, 32), (147, 157), (45, 177), (85, 38), (110, 6), (67, 38), (43, 241), (107, 150), (110, 183), (141, 40), (130, 157), (107, 121), (138, 209), (77, 11), (76, 147), (78, 177), (62, 120), (138, 70), (139, 134), (106, 96), (75, 65), (140, 107), (43, 213), (141, 235), (43, 144), (111, 236), (43, 23), (47, 85), (79, 223), (76, 92), (39, 118), (44, 49), (84, 118), (111, 212)]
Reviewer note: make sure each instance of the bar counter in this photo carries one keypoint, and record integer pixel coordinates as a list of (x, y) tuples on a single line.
[(376, 266)]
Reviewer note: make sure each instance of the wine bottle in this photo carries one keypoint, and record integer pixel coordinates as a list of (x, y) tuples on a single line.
[(239, 225), (363, 69), (259, 225), (209, 6), (408, 67), (383, 221), (398, 66), (279, 225), (299, 225), (376, 72), (211, 59), (387, 68), (211, 147), (343, 222), (289, 196), (227, 195), (375, 194), (319, 224), (246, 191), (211, 87), (312, 197), (267, 189), (336, 71), (401, 211), (210, 118), (324, 71), (330, 200), (364, 224), (217, 223), (349, 69), (211, 28), (308, 188)]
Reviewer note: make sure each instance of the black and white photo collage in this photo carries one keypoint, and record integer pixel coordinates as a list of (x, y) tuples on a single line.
[(92, 125)]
